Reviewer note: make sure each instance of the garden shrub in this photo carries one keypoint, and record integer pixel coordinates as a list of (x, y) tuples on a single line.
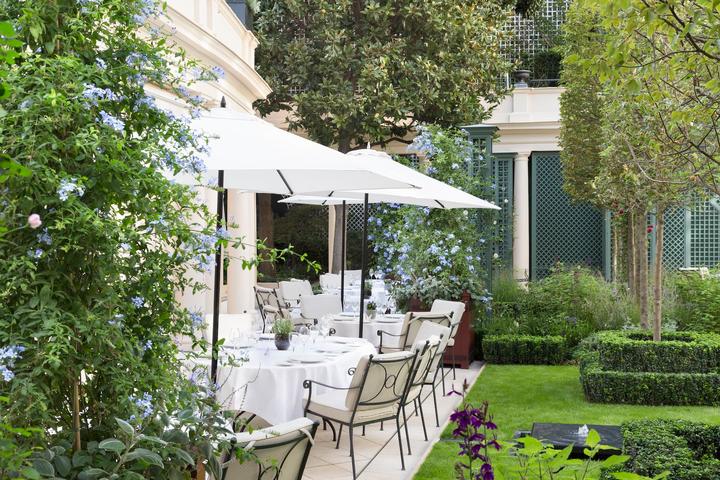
[(688, 450), (570, 302), (525, 349), (698, 306), (621, 367)]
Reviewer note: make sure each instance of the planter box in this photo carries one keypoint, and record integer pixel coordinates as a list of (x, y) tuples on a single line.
[(461, 355)]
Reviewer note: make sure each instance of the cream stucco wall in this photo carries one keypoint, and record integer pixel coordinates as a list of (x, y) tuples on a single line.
[(209, 31)]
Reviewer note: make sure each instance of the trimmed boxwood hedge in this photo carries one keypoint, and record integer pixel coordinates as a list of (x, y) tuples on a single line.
[(610, 364), (688, 450), (525, 349), (681, 352)]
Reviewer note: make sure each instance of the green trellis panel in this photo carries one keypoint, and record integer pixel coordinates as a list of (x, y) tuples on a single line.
[(561, 231), (502, 175)]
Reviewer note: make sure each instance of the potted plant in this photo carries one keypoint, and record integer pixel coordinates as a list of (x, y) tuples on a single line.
[(371, 310), (282, 328)]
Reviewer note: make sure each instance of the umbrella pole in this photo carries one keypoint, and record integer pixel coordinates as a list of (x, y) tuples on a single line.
[(218, 277), (342, 261), (363, 265)]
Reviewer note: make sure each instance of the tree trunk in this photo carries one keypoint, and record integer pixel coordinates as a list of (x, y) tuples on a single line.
[(641, 262), (337, 253), (631, 264), (266, 229), (76, 414), (658, 290), (615, 255)]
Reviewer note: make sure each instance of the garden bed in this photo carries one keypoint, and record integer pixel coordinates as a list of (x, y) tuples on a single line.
[(628, 367)]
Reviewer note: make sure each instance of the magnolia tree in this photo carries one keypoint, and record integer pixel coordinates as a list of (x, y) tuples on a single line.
[(97, 242), (437, 253)]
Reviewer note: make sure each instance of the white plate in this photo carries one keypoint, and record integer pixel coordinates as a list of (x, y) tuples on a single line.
[(307, 358), (398, 316), (387, 320), (348, 314), (267, 336)]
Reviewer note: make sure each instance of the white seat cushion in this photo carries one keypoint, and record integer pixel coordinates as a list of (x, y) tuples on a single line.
[(331, 405)]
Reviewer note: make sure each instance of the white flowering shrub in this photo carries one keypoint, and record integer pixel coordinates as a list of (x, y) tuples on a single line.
[(437, 253)]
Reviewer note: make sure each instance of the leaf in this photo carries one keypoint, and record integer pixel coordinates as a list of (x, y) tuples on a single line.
[(629, 476), (125, 427), (532, 445), (7, 30), (30, 473), (146, 456), (613, 460), (184, 456), (112, 444), (62, 465), (43, 467), (91, 474), (593, 438)]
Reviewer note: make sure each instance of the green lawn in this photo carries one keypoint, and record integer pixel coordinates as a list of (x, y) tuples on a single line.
[(522, 394)]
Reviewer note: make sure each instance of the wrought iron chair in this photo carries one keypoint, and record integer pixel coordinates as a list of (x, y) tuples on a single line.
[(411, 325), (426, 350), (281, 451), (267, 297), (427, 330), (455, 310), (378, 388), (244, 420)]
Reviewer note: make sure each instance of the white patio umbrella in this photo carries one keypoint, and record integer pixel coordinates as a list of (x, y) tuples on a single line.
[(428, 193), (252, 155)]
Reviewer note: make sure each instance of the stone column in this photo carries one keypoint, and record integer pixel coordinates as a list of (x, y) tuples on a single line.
[(243, 223), (521, 218)]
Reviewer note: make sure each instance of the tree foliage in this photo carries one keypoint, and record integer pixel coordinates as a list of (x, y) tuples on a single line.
[(353, 72)]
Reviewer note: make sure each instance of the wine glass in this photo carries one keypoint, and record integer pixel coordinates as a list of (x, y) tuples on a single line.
[(325, 323), (314, 331), (303, 336)]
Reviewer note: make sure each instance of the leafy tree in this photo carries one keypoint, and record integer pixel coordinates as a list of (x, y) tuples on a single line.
[(350, 72)]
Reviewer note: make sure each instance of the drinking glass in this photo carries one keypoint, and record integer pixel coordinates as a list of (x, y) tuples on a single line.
[(314, 332), (303, 336)]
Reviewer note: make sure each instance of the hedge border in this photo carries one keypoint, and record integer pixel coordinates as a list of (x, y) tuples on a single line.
[(677, 352), (525, 349)]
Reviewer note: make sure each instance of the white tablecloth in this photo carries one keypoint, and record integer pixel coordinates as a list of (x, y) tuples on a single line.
[(275, 392), (348, 327)]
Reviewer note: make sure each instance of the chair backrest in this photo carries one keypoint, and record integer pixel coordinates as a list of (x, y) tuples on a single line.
[(427, 350), (282, 452), (306, 288), (353, 277), (266, 296), (454, 309), (329, 281), (317, 306), (414, 320), (380, 381), (429, 330), (270, 316), (244, 420), (291, 292)]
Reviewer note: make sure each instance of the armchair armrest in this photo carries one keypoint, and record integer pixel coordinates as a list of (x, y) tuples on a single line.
[(309, 383), (382, 333)]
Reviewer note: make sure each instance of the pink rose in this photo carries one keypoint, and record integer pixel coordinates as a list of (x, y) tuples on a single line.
[(34, 221)]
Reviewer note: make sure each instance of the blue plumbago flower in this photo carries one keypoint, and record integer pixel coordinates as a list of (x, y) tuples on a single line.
[(93, 94), (25, 104), (125, 246), (455, 166), (197, 319), (194, 113), (205, 262), (218, 72), (85, 4), (454, 249), (222, 234), (138, 301), (69, 186), (431, 170), (100, 63), (8, 355), (45, 237), (112, 122), (143, 404), (117, 319), (196, 99), (183, 91), (434, 249), (148, 8), (145, 101), (136, 60), (147, 346), (35, 254)]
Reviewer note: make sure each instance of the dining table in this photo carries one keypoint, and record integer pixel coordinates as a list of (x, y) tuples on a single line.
[(346, 325), (269, 382)]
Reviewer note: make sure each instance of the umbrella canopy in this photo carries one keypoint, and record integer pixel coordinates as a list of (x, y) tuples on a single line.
[(256, 156), (429, 192)]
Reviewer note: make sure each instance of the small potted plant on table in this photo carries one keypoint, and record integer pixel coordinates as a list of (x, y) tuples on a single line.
[(282, 328), (371, 310)]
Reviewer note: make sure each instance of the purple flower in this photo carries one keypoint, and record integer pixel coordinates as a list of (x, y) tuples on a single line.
[(8, 355), (218, 72), (45, 237), (35, 254), (138, 301), (143, 404), (69, 186)]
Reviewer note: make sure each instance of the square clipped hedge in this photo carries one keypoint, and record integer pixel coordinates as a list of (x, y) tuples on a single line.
[(612, 363), (677, 352), (688, 450), (525, 349)]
